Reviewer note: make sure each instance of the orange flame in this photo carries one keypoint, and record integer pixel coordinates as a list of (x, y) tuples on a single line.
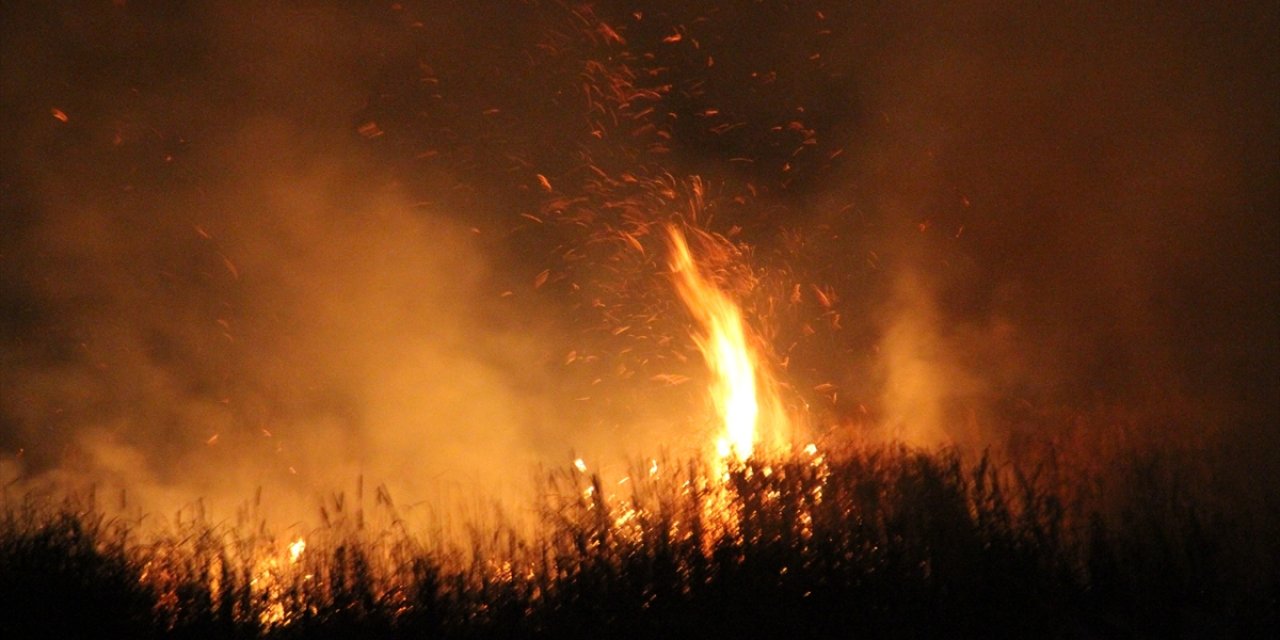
[(723, 342), (295, 550)]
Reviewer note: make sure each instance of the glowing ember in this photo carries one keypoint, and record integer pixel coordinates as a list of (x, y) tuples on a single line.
[(723, 342), (295, 550)]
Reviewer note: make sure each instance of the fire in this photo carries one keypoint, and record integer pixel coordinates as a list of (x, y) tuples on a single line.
[(295, 550), (723, 342)]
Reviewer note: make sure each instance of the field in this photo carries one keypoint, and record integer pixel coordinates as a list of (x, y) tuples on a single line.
[(962, 316), (862, 540)]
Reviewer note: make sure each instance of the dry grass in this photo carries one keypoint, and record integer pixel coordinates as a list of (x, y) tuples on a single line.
[(880, 541)]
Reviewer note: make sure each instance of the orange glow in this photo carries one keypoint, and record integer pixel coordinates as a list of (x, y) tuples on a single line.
[(295, 550)]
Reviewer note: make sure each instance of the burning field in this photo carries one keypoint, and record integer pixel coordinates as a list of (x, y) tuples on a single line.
[(639, 319)]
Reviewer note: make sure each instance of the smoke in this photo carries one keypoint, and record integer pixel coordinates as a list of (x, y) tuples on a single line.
[(274, 334), (252, 305), (286, 247), (1069, 205)]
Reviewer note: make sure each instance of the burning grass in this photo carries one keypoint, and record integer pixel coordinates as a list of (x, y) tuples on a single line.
[(887, 541)]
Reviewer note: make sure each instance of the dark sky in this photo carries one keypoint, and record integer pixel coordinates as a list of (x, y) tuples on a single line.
[(235, 217)]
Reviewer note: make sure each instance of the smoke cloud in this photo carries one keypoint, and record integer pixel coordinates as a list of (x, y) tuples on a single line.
[(1070, 204), (213, 288), (250, 246)]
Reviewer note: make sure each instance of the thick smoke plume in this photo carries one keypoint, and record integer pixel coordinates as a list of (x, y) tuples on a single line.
[(253, 246), (212, 287)]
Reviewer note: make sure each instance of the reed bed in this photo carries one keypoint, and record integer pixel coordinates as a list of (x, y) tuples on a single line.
[(879, 541)]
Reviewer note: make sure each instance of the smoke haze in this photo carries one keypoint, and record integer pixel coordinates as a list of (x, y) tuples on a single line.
[(250, 246), (1089, 188)]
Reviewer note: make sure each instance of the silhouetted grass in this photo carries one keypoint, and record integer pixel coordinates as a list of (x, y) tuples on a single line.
[(69, 573), (865, 541)]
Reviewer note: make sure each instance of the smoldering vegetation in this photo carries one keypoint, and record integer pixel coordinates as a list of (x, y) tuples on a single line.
[(882, 541)]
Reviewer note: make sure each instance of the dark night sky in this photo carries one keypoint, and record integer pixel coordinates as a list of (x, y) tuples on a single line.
[(220, 216)]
